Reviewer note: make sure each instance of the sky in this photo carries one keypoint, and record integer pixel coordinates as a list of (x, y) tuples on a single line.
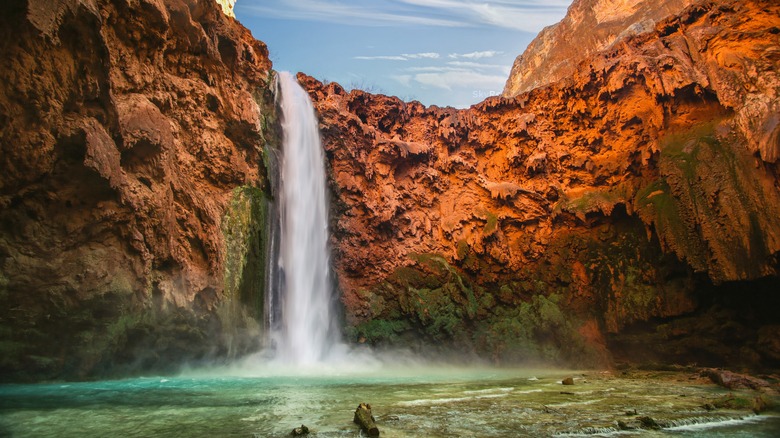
[(439, 52)]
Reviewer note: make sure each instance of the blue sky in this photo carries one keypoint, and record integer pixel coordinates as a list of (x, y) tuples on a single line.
[(440, 52)]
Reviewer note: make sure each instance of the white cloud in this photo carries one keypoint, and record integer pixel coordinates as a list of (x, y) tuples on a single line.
[(470, 64), (528, 15), (460, 66), (435, 69), (382, 58), (461, 79), (524, 15), (428, 55), (401, 57), (341, 12), (475, 55), (404, 80)]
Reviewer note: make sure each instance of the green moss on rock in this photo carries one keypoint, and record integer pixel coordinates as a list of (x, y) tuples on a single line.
[(594, 201), (243, 228), (491, 224), (539, 329), (380, 332), (711, 206)]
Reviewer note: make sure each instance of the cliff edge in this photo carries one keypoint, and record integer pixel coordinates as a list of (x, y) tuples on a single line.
[(590, 26)]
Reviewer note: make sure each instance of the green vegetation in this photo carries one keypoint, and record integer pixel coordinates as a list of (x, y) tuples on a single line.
[(269, 118), (757, 403), (658, 194), (597, 200), (492, 224), (430, 298), (244, 231), (432, 301), (538, 329), (707, 200), (380, 331)]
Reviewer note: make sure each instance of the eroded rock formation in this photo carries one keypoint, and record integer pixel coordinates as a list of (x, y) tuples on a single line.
[(590, 26), (131, 202), (545, 224)]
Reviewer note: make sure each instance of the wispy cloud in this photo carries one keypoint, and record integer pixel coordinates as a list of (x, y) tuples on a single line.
[(524, 15), (461, 79), (450, 52), (477, 65), (426, 55), (433, 69), (401, 57), (405, 80), (475, 55), (345, 12), (382, 58)]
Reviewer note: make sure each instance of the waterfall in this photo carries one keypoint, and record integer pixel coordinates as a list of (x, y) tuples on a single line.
[(308, 329)]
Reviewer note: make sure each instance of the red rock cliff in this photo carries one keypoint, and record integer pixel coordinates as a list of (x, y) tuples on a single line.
[(590, 26), (131, 155), (542, 225)]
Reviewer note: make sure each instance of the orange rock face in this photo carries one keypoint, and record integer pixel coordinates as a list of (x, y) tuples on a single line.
[(590, 26), (610, 194)]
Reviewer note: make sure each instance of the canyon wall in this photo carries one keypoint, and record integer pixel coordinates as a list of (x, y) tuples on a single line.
[(132, 190), (629, 212), (590, 26), (550, 225)]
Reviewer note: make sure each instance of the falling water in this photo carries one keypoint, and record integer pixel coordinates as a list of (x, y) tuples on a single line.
[(308, 329)]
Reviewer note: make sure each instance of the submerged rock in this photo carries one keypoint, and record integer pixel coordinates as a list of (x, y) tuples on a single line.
[(648, 423), (300, 431)]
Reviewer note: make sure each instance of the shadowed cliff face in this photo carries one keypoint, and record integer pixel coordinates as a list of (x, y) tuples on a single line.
[(130, 190), (543, 225)]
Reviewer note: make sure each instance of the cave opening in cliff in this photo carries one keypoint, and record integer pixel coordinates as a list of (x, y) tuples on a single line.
[(734, 325)]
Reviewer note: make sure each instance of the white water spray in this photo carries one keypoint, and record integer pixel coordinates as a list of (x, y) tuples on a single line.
[(308, 330)]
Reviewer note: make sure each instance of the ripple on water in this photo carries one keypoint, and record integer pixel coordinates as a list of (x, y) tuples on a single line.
[(410, 403)]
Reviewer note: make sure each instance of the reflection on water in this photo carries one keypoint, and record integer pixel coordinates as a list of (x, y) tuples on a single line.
[(408, 402)]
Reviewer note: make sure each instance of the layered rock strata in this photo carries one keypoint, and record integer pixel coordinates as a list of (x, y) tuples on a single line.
[(543, 225), (132, 185)]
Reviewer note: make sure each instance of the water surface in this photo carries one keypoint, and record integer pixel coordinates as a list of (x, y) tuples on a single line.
[(407, 402)]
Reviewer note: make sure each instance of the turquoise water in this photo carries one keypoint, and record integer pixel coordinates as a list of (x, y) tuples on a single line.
[(407, 402)]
